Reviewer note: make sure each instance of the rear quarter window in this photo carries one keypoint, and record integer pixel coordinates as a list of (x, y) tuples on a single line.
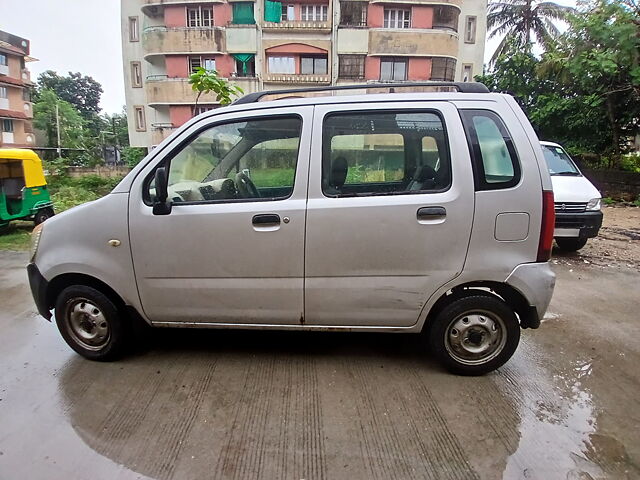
[(495, 161)]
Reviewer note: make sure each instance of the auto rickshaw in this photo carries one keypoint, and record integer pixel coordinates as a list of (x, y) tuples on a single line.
[(23, 188)]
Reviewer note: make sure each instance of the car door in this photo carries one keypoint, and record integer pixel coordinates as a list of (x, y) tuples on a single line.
[(231, 249), (389, 214)]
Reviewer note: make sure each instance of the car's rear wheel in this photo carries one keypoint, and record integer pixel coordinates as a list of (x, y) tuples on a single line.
[(90, 323), (474, 335), (571, 244)]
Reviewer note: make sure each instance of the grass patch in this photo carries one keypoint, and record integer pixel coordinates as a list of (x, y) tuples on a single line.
[(16, 236)]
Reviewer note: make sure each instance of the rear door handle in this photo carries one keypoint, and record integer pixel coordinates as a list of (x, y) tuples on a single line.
[(431, 213), (266, 220)]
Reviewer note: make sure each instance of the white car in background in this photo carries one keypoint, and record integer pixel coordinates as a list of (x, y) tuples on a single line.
[(577, 201)]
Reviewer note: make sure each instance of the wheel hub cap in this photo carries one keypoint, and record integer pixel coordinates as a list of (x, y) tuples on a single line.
[(475, 338), (88, 324)]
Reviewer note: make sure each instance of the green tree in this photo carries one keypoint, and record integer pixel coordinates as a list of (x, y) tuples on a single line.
[(523, 21), (83, 92), (70, 121), (207, 81), (598, 60)]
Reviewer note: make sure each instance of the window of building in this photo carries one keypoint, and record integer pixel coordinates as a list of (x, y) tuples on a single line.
[(397, 18), (200, 16), (495, 161), (243, 13), (26, 94), (288, 13), (378, 153), (467, 72), (443, 69), (281, 64), (134, 31), (7, 125), (140, 119), (257, 145), (245, 64), (351, 66), (314, 13), (3, 92), (136, 74), (393, 69), (201, 62), (353, 14), (313, 65), (446, 18), (470, 29), (201, 109)]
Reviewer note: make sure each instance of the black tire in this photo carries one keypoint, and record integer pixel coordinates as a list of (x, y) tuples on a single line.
[(486, 317), (83, 311), (571, 244), (43, 214)]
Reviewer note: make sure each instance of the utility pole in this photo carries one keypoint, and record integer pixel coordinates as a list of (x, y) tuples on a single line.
[(59, 150)]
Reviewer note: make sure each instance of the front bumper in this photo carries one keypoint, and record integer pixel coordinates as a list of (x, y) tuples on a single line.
[(39, 286), (582, 225)]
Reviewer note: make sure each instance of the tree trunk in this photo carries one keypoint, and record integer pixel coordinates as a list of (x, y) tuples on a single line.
[(615, 134)]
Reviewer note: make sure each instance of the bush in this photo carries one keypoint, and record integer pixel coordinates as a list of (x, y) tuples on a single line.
[(630, 162), (133, 155)]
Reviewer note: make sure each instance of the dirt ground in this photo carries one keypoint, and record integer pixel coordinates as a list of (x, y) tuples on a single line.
[(293, 405), (616, 246)]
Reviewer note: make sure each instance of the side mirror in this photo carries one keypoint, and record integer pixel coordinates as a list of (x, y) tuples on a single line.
[(161, 206)]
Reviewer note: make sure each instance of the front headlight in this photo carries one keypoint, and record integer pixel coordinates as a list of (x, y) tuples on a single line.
[(35, 241), (593, 204)]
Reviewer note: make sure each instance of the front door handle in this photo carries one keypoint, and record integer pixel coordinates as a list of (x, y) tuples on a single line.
[(431, 213), (266, 220)]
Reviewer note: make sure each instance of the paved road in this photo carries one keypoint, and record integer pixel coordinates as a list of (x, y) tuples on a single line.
[(239, 405)]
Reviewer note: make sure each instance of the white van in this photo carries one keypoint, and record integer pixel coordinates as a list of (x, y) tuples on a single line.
[(577, 201), (377, 212)]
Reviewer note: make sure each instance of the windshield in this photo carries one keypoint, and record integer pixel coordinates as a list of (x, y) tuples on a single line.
[(558, 162)]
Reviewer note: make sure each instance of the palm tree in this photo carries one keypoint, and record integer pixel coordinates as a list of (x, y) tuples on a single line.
[(520, 20)]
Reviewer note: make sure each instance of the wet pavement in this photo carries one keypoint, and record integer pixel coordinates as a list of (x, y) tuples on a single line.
[(287, 405)]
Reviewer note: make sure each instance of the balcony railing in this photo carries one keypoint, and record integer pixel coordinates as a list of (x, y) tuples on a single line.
[(297, 25), (297, 78), (159, 40), (162, 90)]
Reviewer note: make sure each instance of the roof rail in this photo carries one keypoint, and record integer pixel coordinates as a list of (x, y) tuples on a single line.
[(463, 87)]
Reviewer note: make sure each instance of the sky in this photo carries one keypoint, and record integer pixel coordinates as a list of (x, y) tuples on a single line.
[(72, 35), (84, 36)]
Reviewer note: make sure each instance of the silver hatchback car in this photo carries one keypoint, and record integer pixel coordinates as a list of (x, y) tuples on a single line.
[(425, 212)]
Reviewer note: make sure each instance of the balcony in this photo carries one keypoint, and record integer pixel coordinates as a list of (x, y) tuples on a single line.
[(439, 3), (161, 131), (183, 40), (297, 26), (153, 8), (424, 43), (175, 91), (297, 78)]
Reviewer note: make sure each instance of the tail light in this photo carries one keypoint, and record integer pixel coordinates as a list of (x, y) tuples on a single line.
[(546, 229)]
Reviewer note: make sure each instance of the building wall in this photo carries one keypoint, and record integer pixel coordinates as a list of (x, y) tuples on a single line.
[(164, 50)]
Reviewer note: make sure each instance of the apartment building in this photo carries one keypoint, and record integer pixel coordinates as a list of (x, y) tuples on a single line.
[(16, 111), (268, 44)]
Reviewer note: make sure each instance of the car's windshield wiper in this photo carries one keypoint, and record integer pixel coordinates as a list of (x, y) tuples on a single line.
[(567, 173)]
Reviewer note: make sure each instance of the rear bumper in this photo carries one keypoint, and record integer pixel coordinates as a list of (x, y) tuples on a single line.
[(39, 287), (582, 225), (536, 282)]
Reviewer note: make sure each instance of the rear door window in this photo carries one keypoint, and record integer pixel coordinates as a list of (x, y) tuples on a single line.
[(378, 153)]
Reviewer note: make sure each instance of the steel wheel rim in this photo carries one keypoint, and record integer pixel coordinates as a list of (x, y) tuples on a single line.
[(87, 325), (475, 337)]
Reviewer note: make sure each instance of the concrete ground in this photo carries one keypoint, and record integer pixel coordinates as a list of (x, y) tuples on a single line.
[(242, 405)]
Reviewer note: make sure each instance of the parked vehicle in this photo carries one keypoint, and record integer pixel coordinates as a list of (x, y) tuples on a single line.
[(401, 212), (23, 188), (577, 201)]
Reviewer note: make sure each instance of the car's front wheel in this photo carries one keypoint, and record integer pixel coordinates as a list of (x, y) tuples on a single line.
[(474, 335), (90, 323)]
